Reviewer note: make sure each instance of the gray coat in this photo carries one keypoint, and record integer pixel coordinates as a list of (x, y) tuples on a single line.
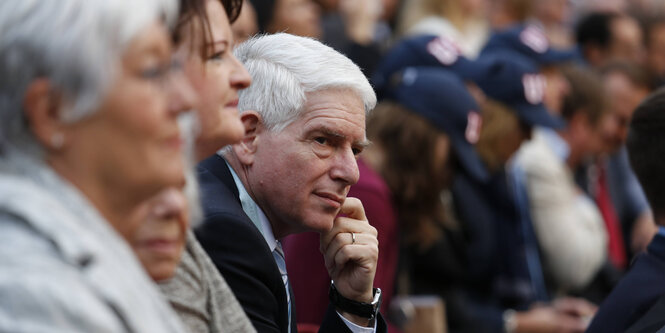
[(201, 296), (63, 268)]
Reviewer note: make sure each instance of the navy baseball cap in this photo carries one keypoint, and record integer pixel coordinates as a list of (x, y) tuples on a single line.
[(530, 41), (421, 51), (516, 81), (439, 96)]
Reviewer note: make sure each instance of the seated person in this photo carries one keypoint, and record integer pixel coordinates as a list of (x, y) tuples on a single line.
[(641, 288), (89, 106), (422, 142), (304, 119), (196, 289), (567, 223)]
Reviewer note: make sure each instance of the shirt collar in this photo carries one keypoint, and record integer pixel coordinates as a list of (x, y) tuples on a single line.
[(661, 230), (254, 212), (553, 140)]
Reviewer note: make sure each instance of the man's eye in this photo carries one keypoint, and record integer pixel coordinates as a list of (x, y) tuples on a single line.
[(357, 151), (321, 140)]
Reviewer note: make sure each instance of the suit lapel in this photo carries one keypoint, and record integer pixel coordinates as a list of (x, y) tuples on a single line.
[(216, 166)]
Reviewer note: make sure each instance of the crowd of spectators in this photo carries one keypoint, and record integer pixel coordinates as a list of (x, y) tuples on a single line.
[(332, 166)]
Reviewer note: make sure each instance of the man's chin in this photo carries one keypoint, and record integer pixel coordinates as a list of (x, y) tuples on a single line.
[(322, 224)]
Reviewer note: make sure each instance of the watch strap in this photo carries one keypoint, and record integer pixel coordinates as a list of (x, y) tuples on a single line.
[(362, 309)]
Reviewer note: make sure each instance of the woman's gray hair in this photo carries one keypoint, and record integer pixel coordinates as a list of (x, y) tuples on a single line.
[(75, 44), (285, 67)]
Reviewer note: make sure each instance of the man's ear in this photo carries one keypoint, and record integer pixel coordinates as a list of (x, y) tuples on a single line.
[(247, 147), (42, 108)]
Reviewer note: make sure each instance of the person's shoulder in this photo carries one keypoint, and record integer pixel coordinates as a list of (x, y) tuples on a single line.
[(536, 158), (637, 291), (23, 247), (533, 150), (39, 289), (52, 302)]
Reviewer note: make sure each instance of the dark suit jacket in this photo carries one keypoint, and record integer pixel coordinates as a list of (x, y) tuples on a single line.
[(636, 293), (652, 321), (241, 254)]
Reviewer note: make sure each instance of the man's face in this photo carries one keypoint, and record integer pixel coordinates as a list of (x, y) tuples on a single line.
[(624, 97), (656, 50), (627, 41), (301, 175)]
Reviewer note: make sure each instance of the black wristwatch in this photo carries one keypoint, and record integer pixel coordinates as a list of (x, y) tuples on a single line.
[(365, 310)]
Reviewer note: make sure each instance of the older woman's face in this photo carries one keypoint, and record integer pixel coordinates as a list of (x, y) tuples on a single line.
[(217, 76), (160, 239), (131, 147)]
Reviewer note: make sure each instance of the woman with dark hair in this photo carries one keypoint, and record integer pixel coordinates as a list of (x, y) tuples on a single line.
[(423, 141), (164, 243)]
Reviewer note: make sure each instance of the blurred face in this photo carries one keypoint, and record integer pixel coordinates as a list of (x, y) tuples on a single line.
[(627, 41), (131, 147), (301, 175), (590, 137), (160, 239), (552, 11), (624, 98), (389, 9), (474, 7), (216, 76), (297, 17), (596, 143), (245, 25), (656, 50), (556, 88)]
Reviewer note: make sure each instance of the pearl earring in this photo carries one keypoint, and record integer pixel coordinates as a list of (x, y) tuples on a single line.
[(57, 140)]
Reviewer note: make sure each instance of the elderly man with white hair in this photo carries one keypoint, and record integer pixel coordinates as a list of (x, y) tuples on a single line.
[(304, 120), (89, 105)]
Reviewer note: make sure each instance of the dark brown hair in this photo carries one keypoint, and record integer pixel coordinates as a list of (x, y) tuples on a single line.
[(408, 142), (636, 74), (586, 94), (189, 9)]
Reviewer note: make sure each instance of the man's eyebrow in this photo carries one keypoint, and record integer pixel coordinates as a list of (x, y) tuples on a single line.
[(363, 144), (337, 135)]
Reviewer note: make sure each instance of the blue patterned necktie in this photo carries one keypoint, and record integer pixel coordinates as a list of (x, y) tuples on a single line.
[(278, 254)]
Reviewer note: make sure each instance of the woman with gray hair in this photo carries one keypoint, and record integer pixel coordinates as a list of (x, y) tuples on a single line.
[(89, 104)]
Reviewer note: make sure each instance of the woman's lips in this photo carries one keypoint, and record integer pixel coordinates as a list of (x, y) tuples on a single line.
[(232, 104), (161, 246), (174, 142)]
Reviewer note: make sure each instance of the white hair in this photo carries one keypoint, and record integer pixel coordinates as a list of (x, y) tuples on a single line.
[(285, 67), (187, 122), (75, 44)]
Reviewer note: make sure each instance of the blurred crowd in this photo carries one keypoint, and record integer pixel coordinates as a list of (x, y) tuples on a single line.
[(378, 165)]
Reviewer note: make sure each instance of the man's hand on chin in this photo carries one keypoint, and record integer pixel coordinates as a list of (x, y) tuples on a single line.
[(351, 251)]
